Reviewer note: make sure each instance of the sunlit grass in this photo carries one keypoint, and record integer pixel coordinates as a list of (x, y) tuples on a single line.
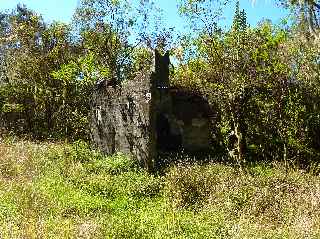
[(60, 190)]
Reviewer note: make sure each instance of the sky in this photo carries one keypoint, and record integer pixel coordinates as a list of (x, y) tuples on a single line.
[(62, 10)]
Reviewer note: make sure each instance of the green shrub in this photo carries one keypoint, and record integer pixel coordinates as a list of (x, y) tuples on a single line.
[(188, 185)]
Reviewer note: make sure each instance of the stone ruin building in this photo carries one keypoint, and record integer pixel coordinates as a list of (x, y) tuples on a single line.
[(144, 116)]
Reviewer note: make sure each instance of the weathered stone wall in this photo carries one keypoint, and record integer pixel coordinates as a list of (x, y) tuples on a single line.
[(184, 121), (121, 121), (144, 116)]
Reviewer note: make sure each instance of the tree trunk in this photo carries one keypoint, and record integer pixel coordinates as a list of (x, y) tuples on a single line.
[(240, 145)]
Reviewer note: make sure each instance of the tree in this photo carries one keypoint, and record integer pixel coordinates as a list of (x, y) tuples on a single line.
[(48, 70), (250, 84), (307, 12), (112, 31), (32, 51)]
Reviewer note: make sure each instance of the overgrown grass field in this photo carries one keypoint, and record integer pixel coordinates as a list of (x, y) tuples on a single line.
[(60, 190)]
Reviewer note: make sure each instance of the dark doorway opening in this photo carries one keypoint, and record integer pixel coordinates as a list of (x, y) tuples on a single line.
[(166, 140)]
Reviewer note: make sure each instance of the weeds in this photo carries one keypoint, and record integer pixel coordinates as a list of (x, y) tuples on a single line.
[(59, 190)]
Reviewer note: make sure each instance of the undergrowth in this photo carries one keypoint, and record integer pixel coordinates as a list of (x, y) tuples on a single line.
[(60, 190)]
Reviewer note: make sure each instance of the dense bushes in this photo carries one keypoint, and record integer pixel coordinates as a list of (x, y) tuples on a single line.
[(262, 80), (47, 71)]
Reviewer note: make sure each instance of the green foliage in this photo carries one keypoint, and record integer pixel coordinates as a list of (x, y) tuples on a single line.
[(263, 81), (106, 29), (189, 185), (239, 19), (254, 77), (59, 190), (307, 11), (49, 70), (33, 50), (6, 108)]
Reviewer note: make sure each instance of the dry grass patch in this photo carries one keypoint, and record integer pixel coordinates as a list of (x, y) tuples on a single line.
[(60, 190), (272, 200)]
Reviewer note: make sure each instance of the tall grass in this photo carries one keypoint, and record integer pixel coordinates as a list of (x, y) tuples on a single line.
[(60, 190)]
